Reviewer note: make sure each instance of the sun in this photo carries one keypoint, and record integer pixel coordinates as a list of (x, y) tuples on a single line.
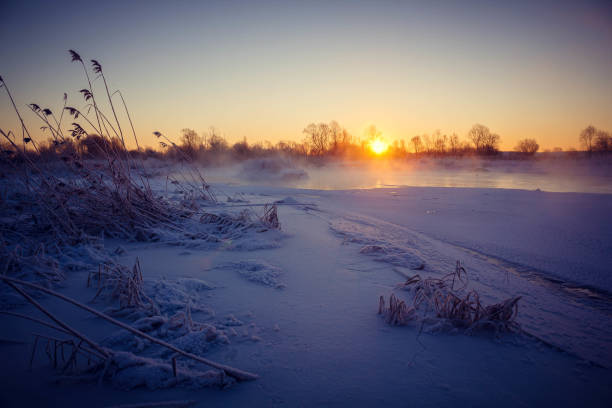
[(378, 146)]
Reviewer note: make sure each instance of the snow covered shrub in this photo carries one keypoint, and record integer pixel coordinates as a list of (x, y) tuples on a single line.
[(398, 313)]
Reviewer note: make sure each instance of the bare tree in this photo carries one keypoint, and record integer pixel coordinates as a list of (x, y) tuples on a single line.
[(190, 142), (484, 141), (335, 133), (417, 144), (439, 142), (527, 146), (241, 148), (402, 147), (427, 144), (345, 140), (454, 144), (603, 141), (586, 138), (318, 138), (215, 141), (492, 143), (477, 135)]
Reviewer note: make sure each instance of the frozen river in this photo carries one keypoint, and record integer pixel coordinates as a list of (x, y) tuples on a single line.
[(553, 175)]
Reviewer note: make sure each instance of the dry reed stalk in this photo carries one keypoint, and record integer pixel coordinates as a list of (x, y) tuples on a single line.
[(235, 373), (75, 57), (193, 179), (270, 217), (398, 314), (11, 282), (24, 128), (77, 348), (34, 319)]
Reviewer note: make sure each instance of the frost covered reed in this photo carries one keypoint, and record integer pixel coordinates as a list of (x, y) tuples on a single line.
[(270, 217), (123, 284), (109, 357), (110, 195), (449, 301)]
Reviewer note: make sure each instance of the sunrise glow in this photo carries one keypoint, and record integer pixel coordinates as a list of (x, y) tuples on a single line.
[(314, 203), (507, 66), (378, 146)]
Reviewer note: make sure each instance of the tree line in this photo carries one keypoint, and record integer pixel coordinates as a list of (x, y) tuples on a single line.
[(320, 140), (332, 140)]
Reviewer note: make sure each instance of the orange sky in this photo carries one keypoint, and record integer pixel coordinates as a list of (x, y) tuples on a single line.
[(266, 70)]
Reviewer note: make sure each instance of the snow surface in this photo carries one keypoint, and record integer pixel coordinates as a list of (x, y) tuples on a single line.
[(319, 341)]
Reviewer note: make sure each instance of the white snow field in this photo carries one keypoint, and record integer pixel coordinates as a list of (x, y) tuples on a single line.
[(298, 307)]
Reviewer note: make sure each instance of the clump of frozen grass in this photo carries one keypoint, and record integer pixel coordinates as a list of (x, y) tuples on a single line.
[(446, 299), (123, 284), (29, 260), (398, 313), (228, 225)]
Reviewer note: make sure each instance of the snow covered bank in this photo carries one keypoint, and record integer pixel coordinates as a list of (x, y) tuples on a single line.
[(319, 341)]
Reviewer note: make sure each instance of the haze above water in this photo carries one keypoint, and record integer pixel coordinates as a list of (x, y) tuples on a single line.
[(555, 176)]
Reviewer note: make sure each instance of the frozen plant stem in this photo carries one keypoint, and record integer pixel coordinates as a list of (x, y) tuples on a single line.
[(24, 129), (63, 325), (235, 373)]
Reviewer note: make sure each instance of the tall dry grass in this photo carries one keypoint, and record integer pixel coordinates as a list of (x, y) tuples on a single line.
[(111, 196), (57, 214)]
